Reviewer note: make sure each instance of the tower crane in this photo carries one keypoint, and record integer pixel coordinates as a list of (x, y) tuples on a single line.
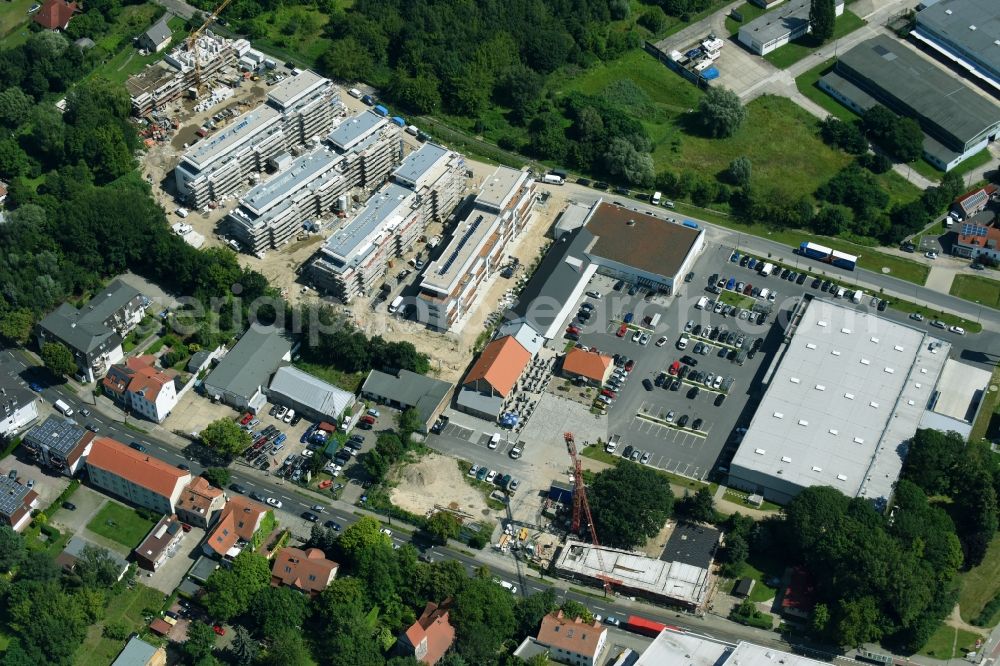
[(581, 509), (192, 40)]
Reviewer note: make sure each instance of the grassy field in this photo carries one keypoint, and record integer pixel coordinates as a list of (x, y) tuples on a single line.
[(127, 61), (748, 12), (737, 300), (981, 583), (791, 53), (793, 161), (949, 642), (129, 607), (946, 317), (14, 19), (296, 31), (807, 85), (133, 20), (977, 289), (120, 524)]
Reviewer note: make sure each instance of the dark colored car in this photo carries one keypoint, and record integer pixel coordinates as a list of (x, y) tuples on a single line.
[(600, 185), (816, 283), (273, 411), (660, 379), (689, 360), (646, 384), (784, 274), (237, 488), (676, 386), (697, 424), (583, 181), (310, 516), (629, 364), (257, 496), (882, 305), (184, 467), (619, 285), (332, 525), (296, 419), (633, 290), (826, 285), (627, 453), (719, 399), (745, 260), (682, 421), (801, 278), (357, 439), (138, 447), (696, 330), (693, 393), (69, 506)]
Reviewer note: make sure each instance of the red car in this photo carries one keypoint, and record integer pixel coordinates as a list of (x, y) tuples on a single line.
[(185, 527), (219, 629), (609, 393), (629, 365), (674, 368), (622, 331), (369, 419), (573, 330), (247, 418)]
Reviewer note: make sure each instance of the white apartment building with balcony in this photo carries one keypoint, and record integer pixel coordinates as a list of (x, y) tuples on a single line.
[(450, 284), (297, 111), (357, 155), (354, 259)]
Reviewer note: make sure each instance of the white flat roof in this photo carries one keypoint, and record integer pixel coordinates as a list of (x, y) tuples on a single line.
[(683, 582), (383, 212), (462, 252), (244, 129), (500, 187), (355, 129), (287, 92), (958, 388), (848, 391), (682, 649)]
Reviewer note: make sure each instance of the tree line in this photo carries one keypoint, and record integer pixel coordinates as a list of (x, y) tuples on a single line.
[(379, 591)]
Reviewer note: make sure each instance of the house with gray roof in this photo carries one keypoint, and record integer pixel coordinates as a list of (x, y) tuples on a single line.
[(94, 331), (138, 652), (240, 377), (964, 33), (776, 28), (157, 37), (308, 395), (405, 389)]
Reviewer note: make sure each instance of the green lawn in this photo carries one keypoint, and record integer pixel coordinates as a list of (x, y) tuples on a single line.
[(14, 19), (948, 643), (737, 300), (977, 161), (977, 289), (807, 85), (946, 317), (989, 409), (791, 53), (129, 607), (345, 380), (748, 12), (981, 583), (761, 571), (121, 524)]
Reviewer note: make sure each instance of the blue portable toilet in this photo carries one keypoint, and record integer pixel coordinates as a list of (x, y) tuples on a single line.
[(399, 121), (381, 110)]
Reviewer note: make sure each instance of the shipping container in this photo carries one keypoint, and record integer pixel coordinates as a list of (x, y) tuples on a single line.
[(381, 110), (641, 625), (399, 121)]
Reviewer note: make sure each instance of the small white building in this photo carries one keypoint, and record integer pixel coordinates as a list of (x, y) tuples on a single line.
[(776, 28), (18, 407)]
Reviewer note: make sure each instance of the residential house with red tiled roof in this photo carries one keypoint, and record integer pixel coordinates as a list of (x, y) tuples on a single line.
[(590, 365), (138, 385), (135, 476), (16, 502), (240, 520), (492, 377), (572, 641), (430, 636), (307, 571), (200, 503), (55, 14)]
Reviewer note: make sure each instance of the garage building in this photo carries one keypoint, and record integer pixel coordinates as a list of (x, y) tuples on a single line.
[(240, 377), (965, 33), (776, 28), (405, 389), (309, 396)]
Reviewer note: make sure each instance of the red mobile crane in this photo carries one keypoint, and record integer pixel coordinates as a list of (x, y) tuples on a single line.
[(581, 507)]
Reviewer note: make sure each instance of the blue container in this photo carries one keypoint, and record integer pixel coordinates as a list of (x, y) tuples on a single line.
[(399, 121), (381, 110)]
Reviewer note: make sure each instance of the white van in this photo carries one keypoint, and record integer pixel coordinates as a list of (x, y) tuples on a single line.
[(182, 212), (552, 179), (702, 302), (495, 440), (396, 302), (655, 200), (355, 93), (63, 408)]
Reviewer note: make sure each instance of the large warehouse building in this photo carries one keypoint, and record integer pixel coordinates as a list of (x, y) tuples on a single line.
[(957, 121), (844, 395), (965, 33)]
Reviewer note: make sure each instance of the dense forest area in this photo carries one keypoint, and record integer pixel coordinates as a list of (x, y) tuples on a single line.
[(77, 210)]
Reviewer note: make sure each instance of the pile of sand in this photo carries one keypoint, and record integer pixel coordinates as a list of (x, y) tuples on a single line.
[(434, 482)]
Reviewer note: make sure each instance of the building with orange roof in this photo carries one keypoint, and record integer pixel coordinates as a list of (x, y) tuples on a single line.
[(572, 641), (135, 476), (306, 570), (200, 503), (430, 636), (590, 365), (55, 14), (138, 385), (492, 377), (239, 521)]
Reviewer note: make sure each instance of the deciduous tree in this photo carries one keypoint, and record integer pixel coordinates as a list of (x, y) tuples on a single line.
[(720, 112), (226, 437), (629, 503), (58, 359), (822, 18)]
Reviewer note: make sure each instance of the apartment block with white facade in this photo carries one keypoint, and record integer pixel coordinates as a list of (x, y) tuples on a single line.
[(18, 406), (309, 186), (355, 258), (450, 284), (142, 388), (296, 111), (135, 476)]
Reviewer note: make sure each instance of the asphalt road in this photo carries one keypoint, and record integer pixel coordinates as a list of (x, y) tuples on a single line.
[(870, 281)]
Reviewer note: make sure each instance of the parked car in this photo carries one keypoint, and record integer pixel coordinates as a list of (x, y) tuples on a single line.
[(645, 457), (957, 330), (138, 447), (662, 341), (69, 506), (916, 316), (275, 502), (696, 425), (310, 516), (682, 421), (646, 384), (627, 452)]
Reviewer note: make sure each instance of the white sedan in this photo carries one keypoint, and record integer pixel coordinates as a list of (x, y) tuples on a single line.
[(662, 341), (957, 330), (276, 503)]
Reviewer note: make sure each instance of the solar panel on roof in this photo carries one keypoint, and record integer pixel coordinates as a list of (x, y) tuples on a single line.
[(461, 243), (974, 200), (970, 229)]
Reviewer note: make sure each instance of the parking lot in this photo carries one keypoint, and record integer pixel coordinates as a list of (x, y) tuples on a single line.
[(660, 421)]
